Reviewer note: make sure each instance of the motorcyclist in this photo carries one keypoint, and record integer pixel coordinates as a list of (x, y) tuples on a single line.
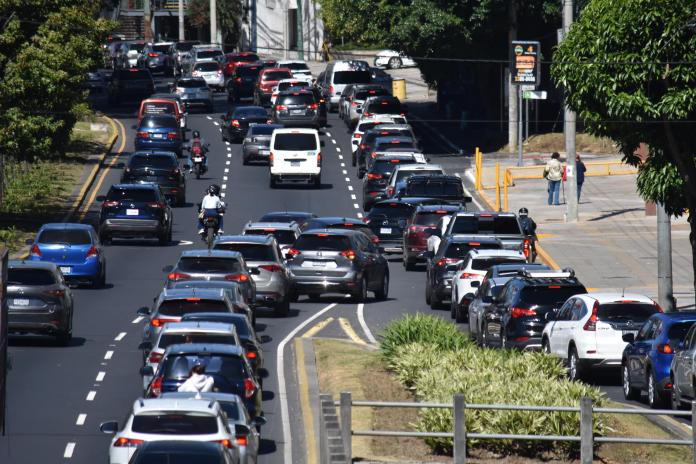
[(211, 205), (529, 229), (197, 139)]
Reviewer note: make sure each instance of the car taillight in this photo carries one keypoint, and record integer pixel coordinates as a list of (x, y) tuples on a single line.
[(55, 293), (525, 248), (156, 386), (238, 79), (154, 358), (156, 205), (142, 135), (665, 349), (354, 103), (294, 252), (235, 123), (366, 220), (35, 251), (445, 261), (281, 107), (591, 324), (123, 442), (93, 251), (271, 267), (390, 191), (195, 73), (159, 322), (373, 154), (331, 89), (237, 277), (319, 159), (367, 114), (252, 354), (178, 276), (350, 254), (522, 312), (468, 275), (153, 55), (373, 176), (110, 204), (249, 388), (225, 442), (173, 135), (241, 440), (313, 106), (270, 158), (658, 307)]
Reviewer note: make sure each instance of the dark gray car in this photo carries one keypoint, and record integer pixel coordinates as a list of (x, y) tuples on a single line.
[(296, 108), (256, 144), (38, 300)]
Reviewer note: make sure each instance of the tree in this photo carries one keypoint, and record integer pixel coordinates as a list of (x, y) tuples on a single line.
[(628, 70), (229, 15)]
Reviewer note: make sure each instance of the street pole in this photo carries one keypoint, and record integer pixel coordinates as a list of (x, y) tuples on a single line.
[(665, 295), (519, 125), (213, 21), (147, 21), (512, 96), (181, 19), (569, 129)]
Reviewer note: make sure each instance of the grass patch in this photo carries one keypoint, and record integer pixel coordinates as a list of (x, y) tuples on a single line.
[(555, 141)]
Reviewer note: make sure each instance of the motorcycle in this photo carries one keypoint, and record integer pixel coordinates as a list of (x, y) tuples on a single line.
[(211, 226), (198, 158)]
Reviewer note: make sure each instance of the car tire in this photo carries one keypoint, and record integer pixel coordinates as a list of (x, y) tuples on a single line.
[(435, 302), (383, 292), (354, 159), (100, 281), (459, 314), (656, 400), (163, 239), (293, 296), (272, 181), (675, 400), (575, 366), (409, 264), (545, 347), (317, 181), (282, 308), (63, 337), (105, 239), (245, 161), (427, 292), (630, 393), (359, 295), (394, 62)]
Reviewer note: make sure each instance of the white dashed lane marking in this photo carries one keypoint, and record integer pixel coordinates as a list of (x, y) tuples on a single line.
[(356, 206), (333, 141), (120, 336), (224, 177), (137, 319), (209, 118), (227, 170), (343, 165), (347, 179), (344, 172), (227, 163), (224, 186), (69, 450), (222, 194), (100, 376), (328, 134), (360, 215), (340, 157), (91, 395), (81, 419), (350, 187), (108, 354), (338, 150), (216, 123), (352, 196)]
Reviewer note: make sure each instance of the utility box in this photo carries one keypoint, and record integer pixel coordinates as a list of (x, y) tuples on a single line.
[(399, 89)]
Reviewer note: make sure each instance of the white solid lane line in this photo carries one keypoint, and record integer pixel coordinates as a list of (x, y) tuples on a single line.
[(108, 354), (120, 336), (100, 376), (137, 319), (69, 450), (91, 395), (282, 390), (363, 324), (81, 419)]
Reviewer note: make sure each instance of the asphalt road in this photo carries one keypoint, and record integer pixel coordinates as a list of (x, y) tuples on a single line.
[(59, 395)]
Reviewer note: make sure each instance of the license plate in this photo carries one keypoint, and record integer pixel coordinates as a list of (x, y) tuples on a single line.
[(132, 212), (297, 112), (65, 269), (385, 230), (21, 302), (197, 159), (313, 263), (295, 163), (157, 136), (264, 152)]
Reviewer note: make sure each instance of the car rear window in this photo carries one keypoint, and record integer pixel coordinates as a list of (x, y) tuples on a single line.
[(284, 237), (136, 46), (428, 218), (295, 65), (176, 338), (483, 264), (392, 210), (232, 411), (363, 94), (295, 142), (252, 58), (179, 366), (495, 225), (401, 175), (276, 75), (435, 189), (153, 161), (205, 54), (300, 99), (549, 295), (185, 46), (262, 129), (283, 217), (387, 166), (210, 265), (168, 423), (629, 311), (250, 251), (135, 75), (395, 145), (159, 107), (322, 242), (158, 122), (65, 237), (30, 277), (383, 107), (191, 83), (366, 126), (250, 113), (247, 71), (460, 249), (678, 330), (177, 308), (207, 67), (137, 195), (352, 77), (161, 48), (178, 457)]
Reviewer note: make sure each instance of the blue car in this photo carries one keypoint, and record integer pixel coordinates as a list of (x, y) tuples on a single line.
[(647, 357), (74, 248), (159, 132)]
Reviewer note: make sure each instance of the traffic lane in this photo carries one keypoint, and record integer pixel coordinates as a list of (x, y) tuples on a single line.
[(248, 197)]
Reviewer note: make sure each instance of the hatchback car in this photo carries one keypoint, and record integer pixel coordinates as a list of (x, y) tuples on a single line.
[(285, 233), (266, 263), (257, 142), (74, 248), (647, 359), (353, 102), (287, 85), (158, 167), (157, 106), (376, 178), (242, 82), (269, 78), (159, 132), (130, 84), (299, 68), (211, 72), (235, 123), (442, 187), (398, 178), (165, 451), (38, 300), (194, 91), (383, 104), (157, 58), (296, 108), (128, 53), (337, 261), (135, 211), (232, 61), (682, 373)]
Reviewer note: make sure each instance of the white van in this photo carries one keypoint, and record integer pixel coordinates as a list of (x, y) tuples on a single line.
[(295, 157), (337, 75)]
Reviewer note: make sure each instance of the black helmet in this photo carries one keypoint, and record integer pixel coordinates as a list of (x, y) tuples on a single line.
[(196, 134), (214, 189), (523, 212)]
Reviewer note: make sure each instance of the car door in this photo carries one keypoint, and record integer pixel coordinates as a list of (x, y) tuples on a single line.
[(573, 328), (367, 248), (679, 363), (642, 349), (687, 373), (634, 368), (555, 331)]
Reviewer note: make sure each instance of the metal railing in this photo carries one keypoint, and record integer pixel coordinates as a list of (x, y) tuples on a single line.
[(586, 410)]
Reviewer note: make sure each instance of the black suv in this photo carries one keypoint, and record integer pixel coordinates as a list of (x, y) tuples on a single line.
[(235, 123), (388, 219), (337, 261), (159, 167), (130, 84), (442, 265), (296, 108), (521, 308), (242, 83), (449, 189), (384, 104), (135, 211), (368, 142), (375, 182)]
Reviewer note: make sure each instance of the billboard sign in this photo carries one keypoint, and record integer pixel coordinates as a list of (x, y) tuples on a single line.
[(524, 62)]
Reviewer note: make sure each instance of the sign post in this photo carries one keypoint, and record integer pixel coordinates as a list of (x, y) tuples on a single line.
[(524, 63)]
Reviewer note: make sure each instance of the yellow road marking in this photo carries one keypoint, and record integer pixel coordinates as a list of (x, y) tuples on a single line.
[(102, 176), (307, 416), (545, 235), (348, 329), (319, 326)]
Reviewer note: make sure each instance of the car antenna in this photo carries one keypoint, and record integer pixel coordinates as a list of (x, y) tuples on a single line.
[(623, 292)]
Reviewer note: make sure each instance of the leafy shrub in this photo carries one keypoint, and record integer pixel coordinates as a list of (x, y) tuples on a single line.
[(422, 328)]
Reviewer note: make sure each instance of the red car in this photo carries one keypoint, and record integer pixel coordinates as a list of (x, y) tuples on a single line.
[(232, 60), (415, 238), (269, 78)]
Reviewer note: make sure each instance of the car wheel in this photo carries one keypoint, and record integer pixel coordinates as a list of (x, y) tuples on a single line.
[(245, 161), (282, 308), (272, 181), (293, 296), (105, 239), (435, 302), (427, 293), (459, 314), (317, 181), (394, 62), (545, 347), (655, 399), (354, 159), (314, 296), (360, 293), (163, 239), (675, 399), (100, 281), (575, 368), (383, 291), (65, 336)]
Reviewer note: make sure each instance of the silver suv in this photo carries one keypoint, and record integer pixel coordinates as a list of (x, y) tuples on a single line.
[(284, 233), (264, 260)]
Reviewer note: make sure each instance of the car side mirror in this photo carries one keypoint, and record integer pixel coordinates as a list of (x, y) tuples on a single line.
[(628, 337), (258, 421), (147, 371), (110, 427), (101, 198), (241, 430), (145, 346), (475, 284), (143, 311), (550, 316), (168, 268)]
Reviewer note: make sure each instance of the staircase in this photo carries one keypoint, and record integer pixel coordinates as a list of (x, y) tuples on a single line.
[(130, 26)]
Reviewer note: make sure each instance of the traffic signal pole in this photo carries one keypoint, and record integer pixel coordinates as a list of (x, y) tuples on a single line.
[(569, 131)]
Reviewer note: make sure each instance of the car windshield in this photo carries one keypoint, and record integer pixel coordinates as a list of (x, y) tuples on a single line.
[(428, 218), (262, 129), (276, 75), (299, 99), (30, 277), (247, 71), (283, 237), (177, 308), (322, 242), (65, 237), (494, 225), (435, 189), (179, 366), (630, 311), (176, 338), (460, 249), (175, 423), (250, 113), (250, 251), (295, 65), (210, 66), (135, 195), (159, 107), (392, 210), (549, 295), (161, 48), (152, 161), (352, 77), (191, 83), (405, 174), (295, 142), (158, 122), (387, 166), (205, 54), (482, 264), (209, 265)]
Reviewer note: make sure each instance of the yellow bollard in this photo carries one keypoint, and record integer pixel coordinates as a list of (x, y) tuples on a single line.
[(505, 196), (399, 88), (497, 186), (478, 162)]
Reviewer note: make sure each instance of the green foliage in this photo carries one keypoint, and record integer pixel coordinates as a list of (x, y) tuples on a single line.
[(229, 15), (31, 187), (436, 370)]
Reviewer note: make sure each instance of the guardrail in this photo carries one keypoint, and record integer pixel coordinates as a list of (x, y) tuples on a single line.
[(586, 411)]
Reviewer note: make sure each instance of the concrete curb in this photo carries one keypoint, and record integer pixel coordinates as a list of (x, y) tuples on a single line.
[(308, 386)]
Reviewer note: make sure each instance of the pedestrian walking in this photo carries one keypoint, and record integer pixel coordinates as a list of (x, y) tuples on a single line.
[(580, 166), (553, 172)]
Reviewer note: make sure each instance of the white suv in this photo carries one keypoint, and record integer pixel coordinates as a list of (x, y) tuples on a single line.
[(163, 419), (587, 331), (469, 275), (295, 157)]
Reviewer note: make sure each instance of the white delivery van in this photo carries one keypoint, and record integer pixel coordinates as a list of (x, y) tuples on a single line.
[(295, 157)]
